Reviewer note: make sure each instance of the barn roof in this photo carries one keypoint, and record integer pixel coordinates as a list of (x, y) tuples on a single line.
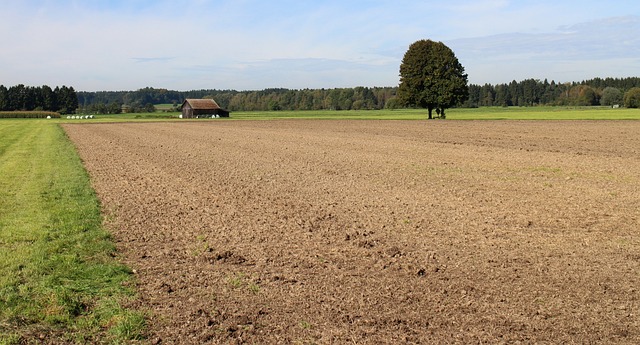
[(202, 103)]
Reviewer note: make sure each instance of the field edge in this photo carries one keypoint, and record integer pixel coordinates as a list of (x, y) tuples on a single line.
[(60, 279)]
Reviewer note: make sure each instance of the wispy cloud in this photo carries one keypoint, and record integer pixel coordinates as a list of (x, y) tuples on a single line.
[(584, 50)]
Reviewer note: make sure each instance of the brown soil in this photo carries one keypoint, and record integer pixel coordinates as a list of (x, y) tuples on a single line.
[(372, 232)]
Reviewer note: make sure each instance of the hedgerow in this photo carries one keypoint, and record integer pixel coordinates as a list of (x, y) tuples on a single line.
[(29, 115)]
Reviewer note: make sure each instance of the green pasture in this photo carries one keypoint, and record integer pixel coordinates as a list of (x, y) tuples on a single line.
[(163, 107), (59, 281), (543, 113), (484, 113)]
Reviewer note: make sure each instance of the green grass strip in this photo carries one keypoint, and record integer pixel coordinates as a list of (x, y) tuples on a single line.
[(543, 113), (58, 276), (483, 113)]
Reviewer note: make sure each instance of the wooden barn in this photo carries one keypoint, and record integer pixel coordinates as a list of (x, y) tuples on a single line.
[(202, 108)]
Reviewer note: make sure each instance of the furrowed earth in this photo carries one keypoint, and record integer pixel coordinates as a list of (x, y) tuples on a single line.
[(369, 232)]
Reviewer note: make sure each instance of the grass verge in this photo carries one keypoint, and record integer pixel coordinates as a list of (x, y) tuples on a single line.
[(59, 281)]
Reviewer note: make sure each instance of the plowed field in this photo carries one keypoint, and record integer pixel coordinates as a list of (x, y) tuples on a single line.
[(369, 232)]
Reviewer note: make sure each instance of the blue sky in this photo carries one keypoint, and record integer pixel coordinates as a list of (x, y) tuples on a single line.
[(250, 45)]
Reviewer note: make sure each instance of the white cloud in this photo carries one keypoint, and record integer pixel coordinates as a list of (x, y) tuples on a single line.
[(602, 48)]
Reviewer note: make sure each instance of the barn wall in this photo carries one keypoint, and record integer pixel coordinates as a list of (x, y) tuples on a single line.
[(187, 111)]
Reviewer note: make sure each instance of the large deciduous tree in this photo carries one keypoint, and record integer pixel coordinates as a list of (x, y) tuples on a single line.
[(611, 96), (632, 98), (431, 77)]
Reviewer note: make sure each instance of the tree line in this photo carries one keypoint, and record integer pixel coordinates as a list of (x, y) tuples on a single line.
[(529, 92), (532, 92), (268, 99), (63, 100)]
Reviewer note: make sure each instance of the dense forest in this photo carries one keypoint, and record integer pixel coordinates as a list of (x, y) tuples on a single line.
[(63, 99), (530, 92)]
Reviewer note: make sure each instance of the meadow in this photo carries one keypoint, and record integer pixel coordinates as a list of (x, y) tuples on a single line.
[(59, 280)]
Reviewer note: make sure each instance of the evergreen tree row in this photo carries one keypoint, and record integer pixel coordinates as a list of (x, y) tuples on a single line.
[(28, 98), (533, 92)]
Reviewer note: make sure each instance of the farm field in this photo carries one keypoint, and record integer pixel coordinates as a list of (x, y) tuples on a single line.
[(368, 232)]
